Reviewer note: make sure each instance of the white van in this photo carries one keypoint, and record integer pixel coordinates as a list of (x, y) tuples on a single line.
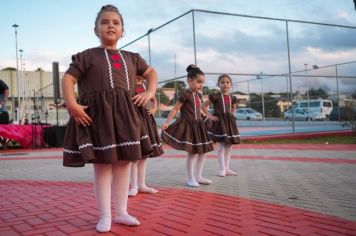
[(315, 105)]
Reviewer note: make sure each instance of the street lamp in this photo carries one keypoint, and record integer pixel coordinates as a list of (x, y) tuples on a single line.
[(263, 100), (17, 74), (23, 82), (306, 78), (159, 103), (337, 90), (248, 91)]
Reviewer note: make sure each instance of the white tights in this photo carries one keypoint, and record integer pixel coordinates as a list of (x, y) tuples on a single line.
[(223, 152), (198, 176), (118, 174)]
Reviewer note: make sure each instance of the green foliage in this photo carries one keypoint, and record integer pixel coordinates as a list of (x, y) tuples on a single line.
[(318, 93), (162, 97), (271, 108)]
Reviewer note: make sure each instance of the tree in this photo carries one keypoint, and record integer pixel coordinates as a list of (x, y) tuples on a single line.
[(162, 97), (271, 107), (319, 93), (9, 69), (353, 95), (180, 85)]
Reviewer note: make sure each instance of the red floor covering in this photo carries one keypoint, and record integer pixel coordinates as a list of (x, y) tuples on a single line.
[(68, 208)]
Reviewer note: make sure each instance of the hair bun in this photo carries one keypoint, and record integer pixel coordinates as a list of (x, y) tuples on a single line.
[(192, 67)]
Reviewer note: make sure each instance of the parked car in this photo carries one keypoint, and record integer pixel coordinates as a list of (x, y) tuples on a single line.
[(248, 114), (315, 105), (302, 114), (345, 114)]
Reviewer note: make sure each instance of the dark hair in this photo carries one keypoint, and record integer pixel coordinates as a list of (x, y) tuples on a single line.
[(224, 76), (108, 8), (193, 71)]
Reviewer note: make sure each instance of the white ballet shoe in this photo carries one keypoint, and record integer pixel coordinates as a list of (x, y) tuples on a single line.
[(146, 189), (133, 192), (222, 173), (192, 183), (104, 225), (204, 181), (230, 173), (126, 220)]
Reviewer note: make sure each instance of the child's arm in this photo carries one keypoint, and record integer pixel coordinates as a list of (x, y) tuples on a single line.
[(153, 109), (142, 98), (205, 106), (173, 112), (234, 108), (76, 110)]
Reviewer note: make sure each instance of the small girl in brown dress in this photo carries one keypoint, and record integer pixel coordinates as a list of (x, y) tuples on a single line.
[(138, 169), (189, 132), (104, 128), (224, 129)]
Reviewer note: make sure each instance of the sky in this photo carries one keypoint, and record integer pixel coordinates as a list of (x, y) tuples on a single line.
[(54, 30)]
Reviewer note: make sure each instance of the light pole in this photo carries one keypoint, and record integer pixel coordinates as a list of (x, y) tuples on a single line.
[(263, 100), (306, 77), (149, 45), (248, 91), (17, 74), (337, 90), (22, 79), (159, 103)]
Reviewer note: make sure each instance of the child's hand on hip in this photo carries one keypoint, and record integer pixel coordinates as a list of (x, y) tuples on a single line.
[(80, 116), (142, 98)]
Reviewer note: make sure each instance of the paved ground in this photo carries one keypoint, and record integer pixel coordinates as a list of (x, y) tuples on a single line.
[(280, 190)]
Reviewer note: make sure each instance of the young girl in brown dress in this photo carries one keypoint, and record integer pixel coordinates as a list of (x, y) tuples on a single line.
[(224, 129), (189, 132), (138, 169), (104, 128)]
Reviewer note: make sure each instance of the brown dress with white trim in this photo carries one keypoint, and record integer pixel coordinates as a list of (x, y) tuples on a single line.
[(106, 83), (189, 132), (225, 129), (149, 123)]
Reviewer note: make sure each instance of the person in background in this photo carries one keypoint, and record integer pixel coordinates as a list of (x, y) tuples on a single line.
[(189, 132), (223, 130)]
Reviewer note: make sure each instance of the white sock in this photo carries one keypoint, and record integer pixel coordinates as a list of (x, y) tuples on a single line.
[(220, 154), (102, 190)]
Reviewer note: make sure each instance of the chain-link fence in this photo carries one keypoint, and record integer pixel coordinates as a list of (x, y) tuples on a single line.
[(273, 62)]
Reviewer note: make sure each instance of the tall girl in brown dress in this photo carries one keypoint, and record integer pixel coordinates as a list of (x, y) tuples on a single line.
[(224, 129), (104, 128), (189, 132), (138, 169)]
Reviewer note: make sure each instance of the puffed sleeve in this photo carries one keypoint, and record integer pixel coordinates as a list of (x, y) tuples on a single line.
[(212, 98), (78, 66), (182, 96), (141, 65)]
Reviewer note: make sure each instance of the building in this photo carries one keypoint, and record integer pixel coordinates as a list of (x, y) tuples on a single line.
[(36, 93)]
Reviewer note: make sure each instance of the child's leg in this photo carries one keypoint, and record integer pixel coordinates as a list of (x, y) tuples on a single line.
[(133, 179), (228, 148), (190, 169), (199, 172), (120, 193), (102, 189), (142, 187), (220, 153)]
